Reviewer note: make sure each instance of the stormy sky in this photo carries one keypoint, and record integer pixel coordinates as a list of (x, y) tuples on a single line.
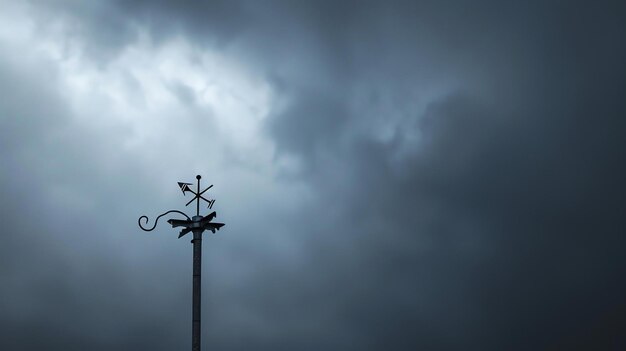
[(429, 175)]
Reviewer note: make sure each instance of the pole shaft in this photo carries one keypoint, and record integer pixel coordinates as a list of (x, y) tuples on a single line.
[(197, 267)]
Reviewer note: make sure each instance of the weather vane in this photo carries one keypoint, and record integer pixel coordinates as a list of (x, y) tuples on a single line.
[(197, 224)]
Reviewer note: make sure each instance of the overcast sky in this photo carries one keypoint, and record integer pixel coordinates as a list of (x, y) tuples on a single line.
[(392, 175)]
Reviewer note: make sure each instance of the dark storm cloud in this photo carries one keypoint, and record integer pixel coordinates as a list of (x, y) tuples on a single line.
[(506, 215), (490, 217)]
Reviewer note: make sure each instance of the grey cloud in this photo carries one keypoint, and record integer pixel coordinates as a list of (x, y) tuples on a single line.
[(50, 298)]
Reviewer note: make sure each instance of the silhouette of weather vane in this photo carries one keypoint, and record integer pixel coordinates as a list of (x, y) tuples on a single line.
[(197, 224), (184, 187)]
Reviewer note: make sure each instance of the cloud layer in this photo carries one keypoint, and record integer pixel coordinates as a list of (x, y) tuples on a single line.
[(401, 176)]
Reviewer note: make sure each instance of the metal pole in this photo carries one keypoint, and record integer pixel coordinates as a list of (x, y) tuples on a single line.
[(197, 266), (197, 282)]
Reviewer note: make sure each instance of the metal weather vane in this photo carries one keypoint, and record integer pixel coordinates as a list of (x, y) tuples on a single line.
[(196, 224)]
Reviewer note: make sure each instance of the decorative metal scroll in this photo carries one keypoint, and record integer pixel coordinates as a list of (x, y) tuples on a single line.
[(157, 219)]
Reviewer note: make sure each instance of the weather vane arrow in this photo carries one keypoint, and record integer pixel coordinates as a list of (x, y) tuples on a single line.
[(196, 224), (184, 187)]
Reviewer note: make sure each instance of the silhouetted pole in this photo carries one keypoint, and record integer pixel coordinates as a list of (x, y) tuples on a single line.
[(197, 285), (197, 225), (196, 314)]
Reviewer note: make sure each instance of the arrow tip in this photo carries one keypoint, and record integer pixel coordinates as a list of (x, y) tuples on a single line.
[(184, 187)]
